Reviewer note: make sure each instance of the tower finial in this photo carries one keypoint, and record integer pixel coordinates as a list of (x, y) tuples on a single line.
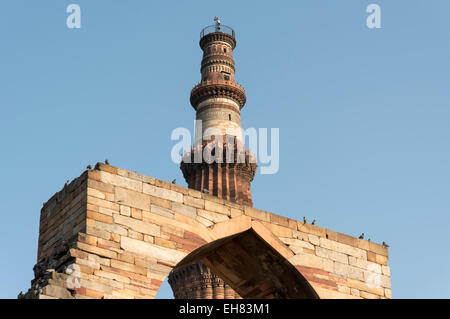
[(217, 21)]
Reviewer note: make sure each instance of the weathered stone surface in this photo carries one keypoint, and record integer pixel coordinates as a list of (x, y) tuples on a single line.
[(333, 255), (161, 211), (163, 193), (120, 181), (125, 210), (111, 228), (348, 271), (137, 225), (184, 210), (128, 238), (343, 248), (151, 250), (132, 198), (211, 216), (194, 202)]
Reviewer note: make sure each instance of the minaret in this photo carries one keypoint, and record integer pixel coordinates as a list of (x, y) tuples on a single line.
[(218, 101)]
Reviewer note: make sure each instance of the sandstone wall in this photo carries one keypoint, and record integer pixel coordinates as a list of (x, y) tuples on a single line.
[(126, 231)]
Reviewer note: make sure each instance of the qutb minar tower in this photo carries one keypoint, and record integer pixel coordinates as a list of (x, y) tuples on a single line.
[(230, 168)]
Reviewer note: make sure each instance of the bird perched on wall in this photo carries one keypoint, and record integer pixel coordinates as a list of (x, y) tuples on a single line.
[(66, 184), (313, 222), (362, 236), (89, 166), (385, 245), (368, 239), (106, 162), (205, 191), (304, 220), (174, 181)]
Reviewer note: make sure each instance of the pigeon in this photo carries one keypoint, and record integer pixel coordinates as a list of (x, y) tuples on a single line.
[(205, 191), (368, 239), (362, 236), (385, 244), (174, 181), (304, 220), (313, 222), (106, 162), (66, 184), (89, 167)]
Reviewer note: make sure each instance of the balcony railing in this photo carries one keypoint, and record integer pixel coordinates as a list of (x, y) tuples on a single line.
[(216, 28)]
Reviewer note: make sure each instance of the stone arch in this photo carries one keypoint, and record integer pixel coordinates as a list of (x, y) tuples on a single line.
[(249, 258)]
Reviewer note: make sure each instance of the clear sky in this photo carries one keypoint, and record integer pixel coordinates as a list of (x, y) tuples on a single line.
[(363, 114)]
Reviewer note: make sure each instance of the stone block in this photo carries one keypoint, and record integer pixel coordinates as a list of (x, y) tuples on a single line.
[(132, 199), (125, 210), (111, 228), (97, 250), (194, 193), (214, 217), (388, 293), (151, 250), (307, 261), (98, 286), (165, 243), (137, 213), (102, 203), (257, 214), (279, 220), (107, 188), (95, 193), (343, 248), (163, 193), (330, 254), (128, 267), (280, 231), (112, 275), (137, 225), (311, 229), (348, 271), (99, 217), (121, 181), (386, 270), (217, 208), (98, 232), (161, 211), (354, 292), (184, 210), (135, 235), (313, 239), (194, 202), (205, 222), (379, 259)]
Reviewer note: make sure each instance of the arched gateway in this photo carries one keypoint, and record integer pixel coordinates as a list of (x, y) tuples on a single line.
[(123, 233)]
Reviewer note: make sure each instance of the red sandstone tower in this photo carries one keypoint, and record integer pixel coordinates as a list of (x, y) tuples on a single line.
[(218, 101), (218, 163)]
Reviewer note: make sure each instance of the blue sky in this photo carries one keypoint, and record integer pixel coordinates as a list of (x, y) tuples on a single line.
[(363, 114)]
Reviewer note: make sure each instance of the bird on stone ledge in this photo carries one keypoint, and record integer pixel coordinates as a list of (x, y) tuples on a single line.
[(304, 220), (89, 167), (385, 245), (174, 181), (313, 222), (106, 162), (362, 236), (205, 191)]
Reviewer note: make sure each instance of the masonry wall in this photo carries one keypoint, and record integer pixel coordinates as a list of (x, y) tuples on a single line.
[(126, 232)]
